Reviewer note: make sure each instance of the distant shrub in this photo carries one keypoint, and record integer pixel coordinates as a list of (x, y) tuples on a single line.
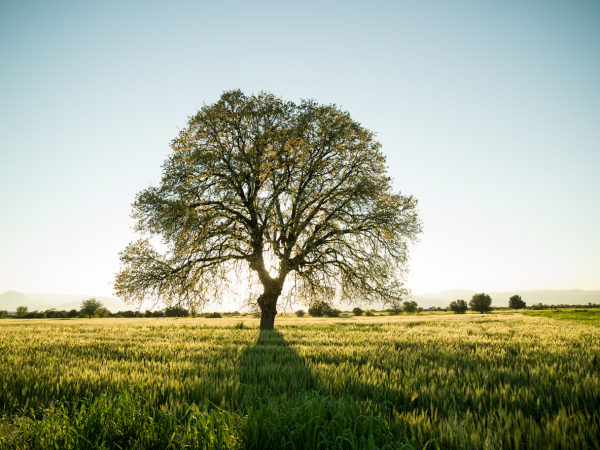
[(158, 314), (3, 314), (300, 313), (332, 312), (459, 307), (148, 313), (357, 312), (40, 315), (103, 312), (369, 313), (214, 315), (176, 311), (73, 313), (539, 306), (481, 303), (239, 326), (22, 311), (319, 309), (516, 302)]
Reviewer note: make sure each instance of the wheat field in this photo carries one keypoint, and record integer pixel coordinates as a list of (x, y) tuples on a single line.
[(474, 381)]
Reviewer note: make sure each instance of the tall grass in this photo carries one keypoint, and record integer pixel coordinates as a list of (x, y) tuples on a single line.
[(127, 422), (475, 381)]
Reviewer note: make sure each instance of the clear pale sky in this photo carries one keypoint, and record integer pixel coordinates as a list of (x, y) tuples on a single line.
[(488, 112)]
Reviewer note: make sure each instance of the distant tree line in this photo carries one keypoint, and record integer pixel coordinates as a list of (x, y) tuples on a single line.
[(93, 308)]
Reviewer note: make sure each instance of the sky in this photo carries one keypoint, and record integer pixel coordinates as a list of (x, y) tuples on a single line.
[(488, 113)]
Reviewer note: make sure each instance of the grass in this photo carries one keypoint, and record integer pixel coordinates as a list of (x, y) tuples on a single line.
[(126, 422), (446, 381), (584, 316)]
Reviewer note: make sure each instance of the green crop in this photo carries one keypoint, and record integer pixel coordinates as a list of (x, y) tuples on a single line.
[(583, 316), (497, 381)]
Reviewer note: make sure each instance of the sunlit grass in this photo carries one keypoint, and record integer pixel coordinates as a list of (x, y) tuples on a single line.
[(472, 381), (584, 316)]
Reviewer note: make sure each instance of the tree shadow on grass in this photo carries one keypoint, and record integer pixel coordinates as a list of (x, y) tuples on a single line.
[(271, 368)]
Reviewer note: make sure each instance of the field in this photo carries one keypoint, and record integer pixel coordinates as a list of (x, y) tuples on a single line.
[(584, 316), (501, 381)]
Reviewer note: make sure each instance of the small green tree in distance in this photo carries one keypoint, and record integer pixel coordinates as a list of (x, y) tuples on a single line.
[(90, 307), (22, 311), (3, 314), (410, 307), (459, 306), (481, 303), (319, 309), (357, 311), (516, 302)]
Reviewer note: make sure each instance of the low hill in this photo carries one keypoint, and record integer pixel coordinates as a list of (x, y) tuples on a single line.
[(10, 300), (546, 296), (68, 302)]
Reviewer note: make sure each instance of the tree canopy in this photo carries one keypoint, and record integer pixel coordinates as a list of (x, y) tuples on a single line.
[(273, 193), (459, 306), (91, 307), (516, 302), (481, 303), (410, 306)]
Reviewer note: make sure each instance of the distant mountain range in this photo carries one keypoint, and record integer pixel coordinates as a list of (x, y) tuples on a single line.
[(10, 300), (546, 296)]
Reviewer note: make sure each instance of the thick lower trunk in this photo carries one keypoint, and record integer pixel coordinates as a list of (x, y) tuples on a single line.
[(268, 307), (267, 319)]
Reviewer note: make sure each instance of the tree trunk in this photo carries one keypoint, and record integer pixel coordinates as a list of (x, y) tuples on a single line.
[(268, 307), (267, 319)]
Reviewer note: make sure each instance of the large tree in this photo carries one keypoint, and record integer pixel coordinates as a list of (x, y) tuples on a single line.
[(269, 191)]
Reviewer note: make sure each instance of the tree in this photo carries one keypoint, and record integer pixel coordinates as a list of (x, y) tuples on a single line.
[(176, 311), (516, 302), (459, 306), (3, 314), (319, 309), (357, 311), (103, 312), (271, 192), (90, 307), (333, 312), (481, 303), (22, 311), (410, 307)]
